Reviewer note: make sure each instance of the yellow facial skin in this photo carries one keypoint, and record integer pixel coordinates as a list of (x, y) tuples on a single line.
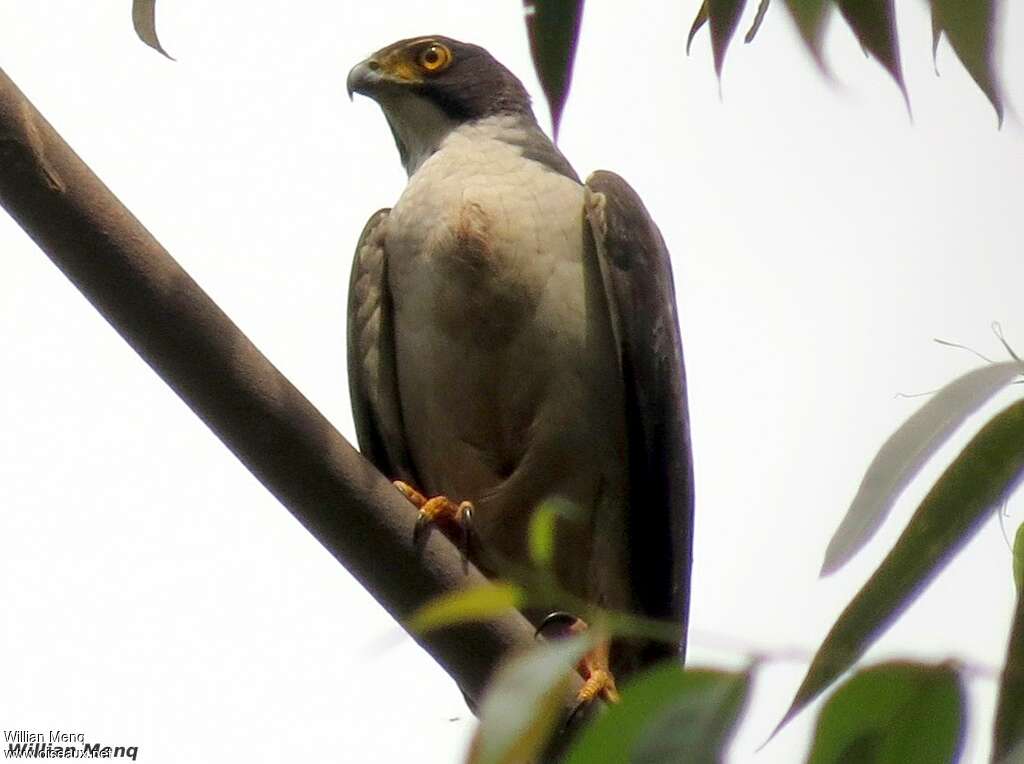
[(414, 61)]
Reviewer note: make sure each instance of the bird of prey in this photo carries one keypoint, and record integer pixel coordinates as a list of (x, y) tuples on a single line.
[(512, 338)]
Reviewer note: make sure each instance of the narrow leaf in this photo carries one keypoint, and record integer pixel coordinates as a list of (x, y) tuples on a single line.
[(699, 21), (630, 626), (762, 9), (524, 702), (1016, 756), (542, 538), (906, 451), (1009, 727), (969, 26), (1018, 560), (144, 20), (543, 528), (810, 17), (874, 23), (667, 714), (894, 712), (936, 36), (480, 603), (553, 27), (723, 18), (984, 473)]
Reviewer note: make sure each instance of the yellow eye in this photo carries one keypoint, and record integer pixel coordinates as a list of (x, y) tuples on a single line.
[(434, 58)]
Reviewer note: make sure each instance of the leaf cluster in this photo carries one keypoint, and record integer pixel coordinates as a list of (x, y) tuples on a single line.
[(553, 28), (890, 712), (968, 25), (893, 712)]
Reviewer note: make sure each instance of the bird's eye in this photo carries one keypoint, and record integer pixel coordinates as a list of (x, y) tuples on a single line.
[(435, 57)]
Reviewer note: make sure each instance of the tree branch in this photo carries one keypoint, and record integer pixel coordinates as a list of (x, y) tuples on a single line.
[(269, 425)]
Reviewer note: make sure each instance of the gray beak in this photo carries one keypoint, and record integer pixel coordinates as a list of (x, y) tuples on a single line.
[(364, 78)]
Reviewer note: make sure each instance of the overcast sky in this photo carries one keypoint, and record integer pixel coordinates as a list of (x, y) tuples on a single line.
[(154, 594)]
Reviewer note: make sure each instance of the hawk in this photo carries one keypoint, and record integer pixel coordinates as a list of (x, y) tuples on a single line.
[(513, 338)]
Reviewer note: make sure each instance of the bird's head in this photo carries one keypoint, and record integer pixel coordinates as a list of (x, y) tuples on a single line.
[(427, 86)]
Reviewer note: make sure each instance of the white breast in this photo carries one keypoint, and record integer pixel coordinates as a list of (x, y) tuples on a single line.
[(507, 375)]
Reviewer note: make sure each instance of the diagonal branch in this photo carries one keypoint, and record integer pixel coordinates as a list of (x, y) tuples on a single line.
[(277, 434)]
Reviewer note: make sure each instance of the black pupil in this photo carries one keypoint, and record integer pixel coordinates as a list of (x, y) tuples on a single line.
[(431, 57)]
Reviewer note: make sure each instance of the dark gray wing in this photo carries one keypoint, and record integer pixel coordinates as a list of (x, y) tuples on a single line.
[(372, 383), (641, 297)]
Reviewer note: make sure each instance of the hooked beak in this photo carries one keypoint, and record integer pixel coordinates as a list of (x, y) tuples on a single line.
[(365, 78)]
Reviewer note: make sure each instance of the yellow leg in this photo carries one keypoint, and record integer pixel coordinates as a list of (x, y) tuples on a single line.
[(453, 519), (598, 680)]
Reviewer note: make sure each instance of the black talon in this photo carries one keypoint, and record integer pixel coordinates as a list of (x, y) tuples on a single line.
[(466, 526), (420, 529), (559, 624)]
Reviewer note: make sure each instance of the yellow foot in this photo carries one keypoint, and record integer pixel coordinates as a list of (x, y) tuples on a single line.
[(600, 684), (598, 680), (453, 519)]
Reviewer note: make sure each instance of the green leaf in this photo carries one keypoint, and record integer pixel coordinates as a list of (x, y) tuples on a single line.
[(541, 537), (762, 9), (893, 713), (874, 23), (1008, 739), (480, 603), (524, 702), (723, 17), (144, 20), (969, 26), (631, 626), (810, 17), (699, 21), (553, 27), (1018, 560), (667, 715), (1016, 756), (984, 473), (907, 450), (936, 36), (543, 524)]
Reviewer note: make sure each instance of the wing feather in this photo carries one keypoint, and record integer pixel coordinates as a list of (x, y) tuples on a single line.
[(638, 283), (372, 381)]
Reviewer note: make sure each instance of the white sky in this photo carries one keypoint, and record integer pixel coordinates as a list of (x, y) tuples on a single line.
[(154, 594)]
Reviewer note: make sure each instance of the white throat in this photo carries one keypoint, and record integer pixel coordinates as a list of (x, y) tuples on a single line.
[(419, 127)]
